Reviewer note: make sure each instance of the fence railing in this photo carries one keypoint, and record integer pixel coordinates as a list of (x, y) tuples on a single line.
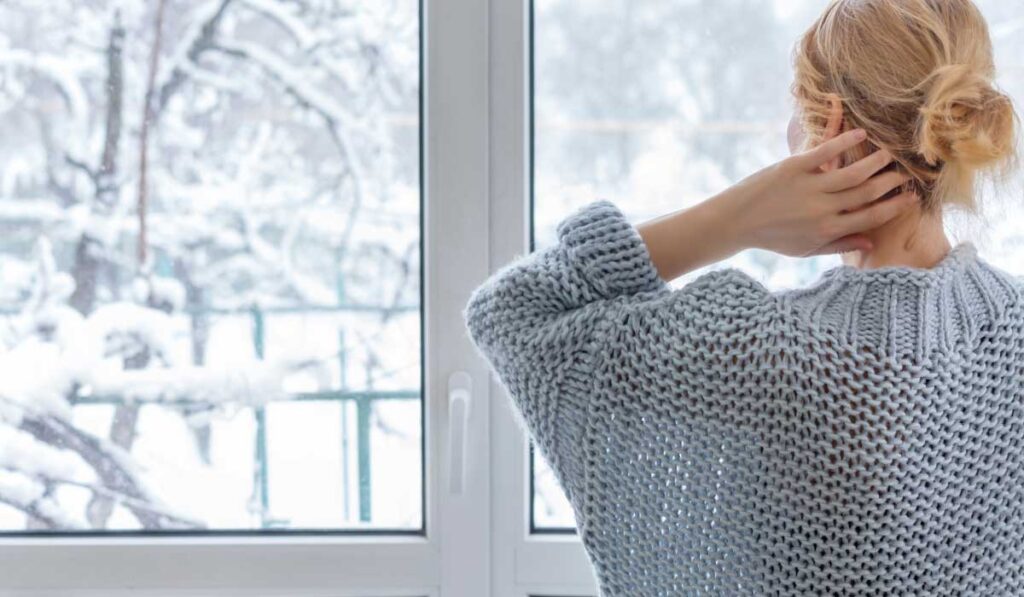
[(364, 401)]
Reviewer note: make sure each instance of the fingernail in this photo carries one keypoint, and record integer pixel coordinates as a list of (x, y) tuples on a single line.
[(860, 134)]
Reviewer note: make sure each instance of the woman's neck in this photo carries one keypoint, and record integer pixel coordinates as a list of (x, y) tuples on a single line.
[(915, 239)]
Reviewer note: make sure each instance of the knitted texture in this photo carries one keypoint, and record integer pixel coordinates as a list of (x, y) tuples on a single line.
[(860, 436)]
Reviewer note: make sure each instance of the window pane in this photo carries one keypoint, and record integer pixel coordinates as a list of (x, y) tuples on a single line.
[(210, 254), (551, 510), (660, 104)]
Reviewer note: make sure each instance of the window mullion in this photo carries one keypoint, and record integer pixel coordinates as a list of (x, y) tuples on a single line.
[(456, 261), (522, 564)]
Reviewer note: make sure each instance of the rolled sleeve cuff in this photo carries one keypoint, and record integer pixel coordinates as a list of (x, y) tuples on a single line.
[(608, 251)]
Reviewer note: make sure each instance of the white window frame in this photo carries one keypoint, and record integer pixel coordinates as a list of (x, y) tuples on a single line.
[(524, 563), (477, 541), (451, 558)]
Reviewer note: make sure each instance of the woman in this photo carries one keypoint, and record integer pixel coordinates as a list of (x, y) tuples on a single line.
[(862, 435)]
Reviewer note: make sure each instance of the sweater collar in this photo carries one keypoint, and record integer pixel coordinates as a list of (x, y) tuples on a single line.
[(957, 260), (902, 311)]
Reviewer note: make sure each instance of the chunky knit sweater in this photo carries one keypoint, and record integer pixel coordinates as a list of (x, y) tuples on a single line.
[(864, 435)]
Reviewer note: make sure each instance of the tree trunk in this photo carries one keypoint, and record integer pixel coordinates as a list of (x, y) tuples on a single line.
[(88, 251)]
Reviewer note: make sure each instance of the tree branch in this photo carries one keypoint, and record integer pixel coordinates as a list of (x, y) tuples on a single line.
[(112, 495), (333, 115), (87, 261), (35, 511), (203, 41), (85, 168), (147, 119), (115, 109), (111, 471)]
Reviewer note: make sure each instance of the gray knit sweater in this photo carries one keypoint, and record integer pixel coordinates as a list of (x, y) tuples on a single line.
[(864, 435)]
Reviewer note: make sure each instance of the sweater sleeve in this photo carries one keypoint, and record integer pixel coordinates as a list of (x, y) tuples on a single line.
[(538, 321)]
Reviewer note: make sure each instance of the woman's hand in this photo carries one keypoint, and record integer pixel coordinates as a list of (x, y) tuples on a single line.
[(796, 207)]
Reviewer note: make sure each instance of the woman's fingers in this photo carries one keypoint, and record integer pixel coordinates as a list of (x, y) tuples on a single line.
[(857, 172), (874, 215), (873, 189), (811, 160)]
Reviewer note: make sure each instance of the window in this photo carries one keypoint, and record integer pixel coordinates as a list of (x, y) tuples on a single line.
[(228, 363), (658, 105), (210, 317), (282, 98)]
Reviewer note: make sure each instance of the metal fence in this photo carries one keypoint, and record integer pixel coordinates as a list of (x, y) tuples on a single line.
[(364, 401)]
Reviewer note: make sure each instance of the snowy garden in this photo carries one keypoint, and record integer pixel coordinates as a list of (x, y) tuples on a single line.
[(210, 248)]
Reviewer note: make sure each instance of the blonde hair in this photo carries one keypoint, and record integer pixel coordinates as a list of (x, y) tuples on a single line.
[(917, 75)]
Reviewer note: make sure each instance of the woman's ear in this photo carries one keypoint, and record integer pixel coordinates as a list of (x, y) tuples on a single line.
[(833, 125)]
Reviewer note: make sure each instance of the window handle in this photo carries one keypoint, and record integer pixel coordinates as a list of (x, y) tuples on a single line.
[(460, 387)]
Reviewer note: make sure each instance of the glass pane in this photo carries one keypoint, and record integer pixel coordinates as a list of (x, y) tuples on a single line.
[(660, 104), (551, 509), (210, 253)]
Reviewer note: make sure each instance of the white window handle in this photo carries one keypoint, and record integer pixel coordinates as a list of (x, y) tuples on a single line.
[(460, 388)]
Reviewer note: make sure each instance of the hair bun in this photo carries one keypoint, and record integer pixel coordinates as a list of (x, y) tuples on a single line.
[(965, 119)]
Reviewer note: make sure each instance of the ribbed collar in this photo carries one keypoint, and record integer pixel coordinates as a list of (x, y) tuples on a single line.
[(902, 311)]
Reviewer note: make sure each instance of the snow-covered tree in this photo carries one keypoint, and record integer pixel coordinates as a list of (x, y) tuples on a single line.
[(165, 160)]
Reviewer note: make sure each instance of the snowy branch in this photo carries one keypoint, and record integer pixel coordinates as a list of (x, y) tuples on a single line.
[(293, 25), (251, 385), (111, 466), (296, 85), (198, 40), (29, 496), (62, 72)]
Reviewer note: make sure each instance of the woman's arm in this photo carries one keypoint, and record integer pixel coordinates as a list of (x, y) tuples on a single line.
[(538, 322), (542, 321), (791, 207)]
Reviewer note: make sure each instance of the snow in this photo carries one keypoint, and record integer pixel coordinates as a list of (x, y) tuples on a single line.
[(151, 327), (19, 490), (140, 383), (278, 12), (297, 84), (63, 72), (32, 376), (28, 208), (160, 290), (253, 385), (19, 450)]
